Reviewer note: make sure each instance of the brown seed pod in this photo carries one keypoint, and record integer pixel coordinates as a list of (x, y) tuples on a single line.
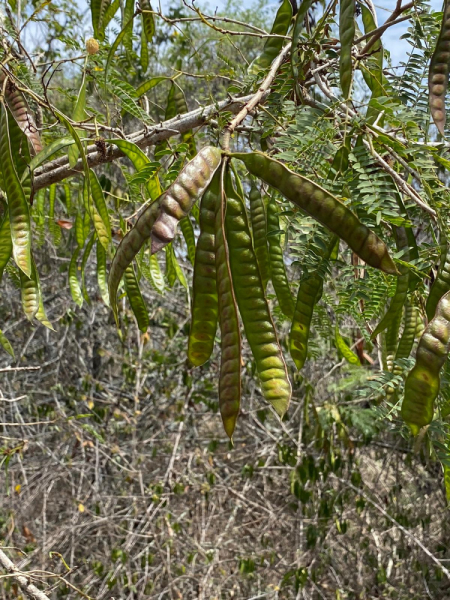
[(439, 72)]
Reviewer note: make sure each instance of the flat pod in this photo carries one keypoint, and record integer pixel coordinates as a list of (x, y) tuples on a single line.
[(310, 197), (423, 382)]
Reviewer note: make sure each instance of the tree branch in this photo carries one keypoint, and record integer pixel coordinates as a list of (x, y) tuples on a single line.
[(24, 583), (59, 169)]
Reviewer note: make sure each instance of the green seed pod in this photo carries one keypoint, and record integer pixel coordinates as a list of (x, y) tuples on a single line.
[(259, 229), (391, 340), (204, 302), (410, 319), (346, 35), (277, 269), (422, 383), (230, 363), (402, 286), (253, 306), (323, 207), (273, 45), (439, 71), (441, 284), (178, 200), (135, 298), (308, 295)]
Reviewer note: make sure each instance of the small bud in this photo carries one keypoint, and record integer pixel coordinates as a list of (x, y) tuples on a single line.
[(92, 46)]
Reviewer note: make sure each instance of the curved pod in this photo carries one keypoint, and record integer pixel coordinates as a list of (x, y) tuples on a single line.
[(323, 207), (439, 71), (422, 384)]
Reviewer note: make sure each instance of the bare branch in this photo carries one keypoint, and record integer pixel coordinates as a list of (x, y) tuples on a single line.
[(24, 583)]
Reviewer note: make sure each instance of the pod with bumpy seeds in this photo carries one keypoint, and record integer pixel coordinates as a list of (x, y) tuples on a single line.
[(422, 384), (178, 200), (230, 362), (277, 269), (253, 306), (390, 340), (346, 35), (259, 229), (204, 286), (402, 285), (322, 206), (439, 71), (308, 295), (441, 284), (410, 318)]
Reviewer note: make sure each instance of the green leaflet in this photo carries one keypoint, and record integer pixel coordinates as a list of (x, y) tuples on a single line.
[(299, 24), (402, 285), (345, 351), (171, 275), (277, 269), (135, 298), (79, 230), (151, 270), (86, 254), (74, 285), (144, 49), (346, 36), (115, 45), (45, 153), (78, 115), (176, 105), (189, 237), (273, 46), (148, 20), (5, 243), (98, 11), (5, 343), (100, 204), (19, 214), (68, 197), (139, 160), (102, 277), (126, 16), (253, 306), (148, 85), (373, 78)]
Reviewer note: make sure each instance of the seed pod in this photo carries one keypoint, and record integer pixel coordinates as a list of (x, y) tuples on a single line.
[(148, 20), (177, 201), (189, 237), (277, 269), (441, 284), (391, 340), (323, 207), (410, 318), (439, 71), (259, 230), (17, 204), (5, 243), (346, 35), (309, 293), (422, 383), (230, 363), (255, 313), (402, 285), (273, 45), (20, 111), (5, 343), (204, 301)]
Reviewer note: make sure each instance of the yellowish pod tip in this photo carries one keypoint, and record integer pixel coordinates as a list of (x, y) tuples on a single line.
[(414, 428), (92, 46)]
